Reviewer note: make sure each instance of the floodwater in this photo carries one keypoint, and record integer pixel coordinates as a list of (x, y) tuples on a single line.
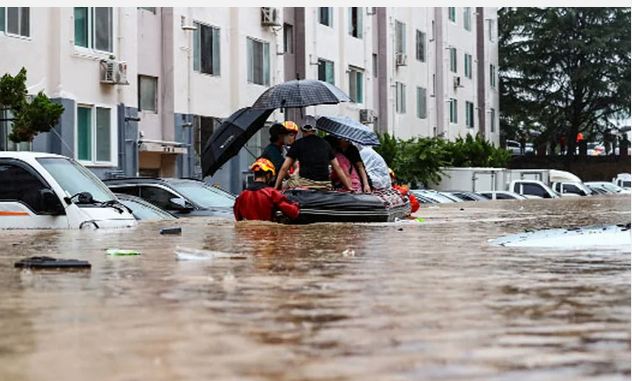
[(404, 301)]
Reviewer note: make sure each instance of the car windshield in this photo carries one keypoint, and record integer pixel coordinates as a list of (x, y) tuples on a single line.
[(203, 195), (611, 187), (626, 184), (75, 178), (144, 211)]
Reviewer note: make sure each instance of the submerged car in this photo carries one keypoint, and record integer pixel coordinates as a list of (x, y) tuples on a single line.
[(434, 196), (502, 195), (468, 196), (143, 210), (47, 191), (606, 187), (180, 197)]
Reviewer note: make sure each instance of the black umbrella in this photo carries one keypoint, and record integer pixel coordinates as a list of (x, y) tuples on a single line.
[(349, 129), (230, 137), (300, 93)]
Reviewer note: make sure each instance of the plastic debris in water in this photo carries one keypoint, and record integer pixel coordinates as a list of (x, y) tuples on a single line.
[(173, 230), (348, 253), (188, 254), (122, 252), (419, 219)]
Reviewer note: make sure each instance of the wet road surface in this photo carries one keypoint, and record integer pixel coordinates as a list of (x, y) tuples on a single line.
[(404, 301)]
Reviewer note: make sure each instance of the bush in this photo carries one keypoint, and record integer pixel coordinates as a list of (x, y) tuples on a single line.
[(419, 160)]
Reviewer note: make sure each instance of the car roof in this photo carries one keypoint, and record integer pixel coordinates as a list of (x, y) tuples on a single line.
[(26, 155), (148, 180)]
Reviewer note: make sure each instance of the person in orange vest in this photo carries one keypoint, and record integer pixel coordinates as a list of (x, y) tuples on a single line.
[(260, 201), (405, 191), (290, 138)]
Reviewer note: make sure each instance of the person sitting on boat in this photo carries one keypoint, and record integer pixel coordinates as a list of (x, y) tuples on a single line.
[(376, 168), (353, 155), (346, 165), (404, 191), (274, 150), (314, 155), (260, 201)]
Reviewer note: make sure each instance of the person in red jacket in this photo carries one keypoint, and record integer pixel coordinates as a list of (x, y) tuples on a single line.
[(405, 191), (260, 201)]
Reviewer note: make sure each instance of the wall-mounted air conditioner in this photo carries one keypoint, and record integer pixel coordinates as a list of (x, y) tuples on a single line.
[(269, 16)]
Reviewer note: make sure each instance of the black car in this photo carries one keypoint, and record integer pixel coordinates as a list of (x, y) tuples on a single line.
[(143, 210), (468, 196), (180, 197)]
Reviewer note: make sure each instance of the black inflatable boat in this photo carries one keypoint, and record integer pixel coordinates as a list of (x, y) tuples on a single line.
[(329, 206)]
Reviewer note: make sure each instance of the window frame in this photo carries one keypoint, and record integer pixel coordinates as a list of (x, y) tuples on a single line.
[(492, 76), (467, 65), (454, 60), (140, 108), (289, 42), (333, 69), (330, 15), (469, 114), (265, 76), (93, 162), (5, 24), (422, 100), (400, 37), (400, 97), (452, 14), (197, 48), (454, 111), (467, 18), (492, 126), (91, 36), (357, 71), (359, 29), (420, 45)]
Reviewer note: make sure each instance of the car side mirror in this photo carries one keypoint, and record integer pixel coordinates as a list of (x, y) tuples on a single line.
[(179, 204), (51, 204)]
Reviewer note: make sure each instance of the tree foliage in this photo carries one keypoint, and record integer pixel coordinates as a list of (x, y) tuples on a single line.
[(563, 71), (420, 160), (29, 117)]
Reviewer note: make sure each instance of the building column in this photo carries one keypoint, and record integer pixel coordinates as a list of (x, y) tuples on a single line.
[(382, 77), (440, 92), (480, 66)]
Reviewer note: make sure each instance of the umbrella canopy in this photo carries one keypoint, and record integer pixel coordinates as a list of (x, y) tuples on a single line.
[(300, 93), (230, 137), (349, 129)]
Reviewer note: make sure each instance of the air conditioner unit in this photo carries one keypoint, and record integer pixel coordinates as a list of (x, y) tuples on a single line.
[(114, 72), (401, 59), (457, 82), (371, 11), (269, 17), (367, 116)]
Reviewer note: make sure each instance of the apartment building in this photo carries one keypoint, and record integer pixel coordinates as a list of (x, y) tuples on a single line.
[(144, 88)]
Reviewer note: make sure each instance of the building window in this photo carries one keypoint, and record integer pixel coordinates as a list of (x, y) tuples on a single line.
[(467, 18), (400, 37), (94, 128), (490, 28), (453, 111), (149, 9), (206, 49), (327, 16), (468, 65), (452, 14), (400, 98), (6, 126), (469, 114), (420, 46), (492, 122), (15, 20), (422, 111), (434, 84), (356, 85), (258, 56), (94, 28), (374, 65), (492, 76), (288, 38), (326, 71), (147, 93), (453, 60), (355, 22)]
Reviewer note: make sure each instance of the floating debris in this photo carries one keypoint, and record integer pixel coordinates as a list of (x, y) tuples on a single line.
[(188, 254), (348, 253), (572, 238), (122, 252), (41, 262), (173, 230)]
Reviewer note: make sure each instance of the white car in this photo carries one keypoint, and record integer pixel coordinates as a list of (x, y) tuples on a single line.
[(608, 187), (502, 195), (623, 180), (48, 191), (568, 188), (530, 188), (433, 195)]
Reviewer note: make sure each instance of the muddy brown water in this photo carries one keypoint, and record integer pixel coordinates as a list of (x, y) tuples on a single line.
[(403, 301)]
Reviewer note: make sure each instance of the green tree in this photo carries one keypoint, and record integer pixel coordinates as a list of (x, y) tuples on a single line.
[(29, 117), (566, 69)]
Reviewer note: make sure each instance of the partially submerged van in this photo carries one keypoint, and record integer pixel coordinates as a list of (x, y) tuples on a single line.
[(48, 191)]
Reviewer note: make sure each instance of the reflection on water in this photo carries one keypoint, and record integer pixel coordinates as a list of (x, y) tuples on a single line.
[(404, 301)]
